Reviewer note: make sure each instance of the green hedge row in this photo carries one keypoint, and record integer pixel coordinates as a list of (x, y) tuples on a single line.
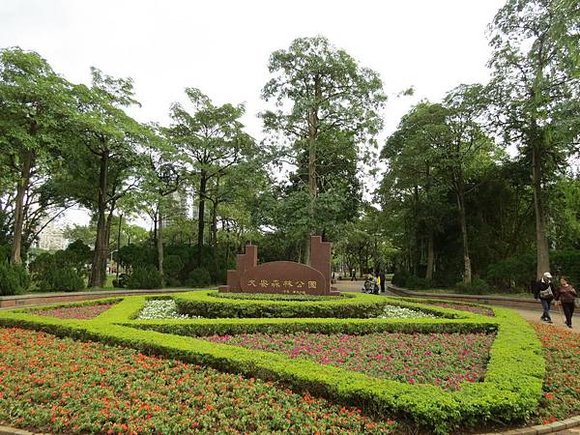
[(510, 392), (206, 304)]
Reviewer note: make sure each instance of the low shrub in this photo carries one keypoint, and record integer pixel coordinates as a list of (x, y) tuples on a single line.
[(205, 304), (199, 277), (509, 393), (146, 277), (477, 287), (172, 266), (14, 279), (415, 283), (400, 278), (278, 296)]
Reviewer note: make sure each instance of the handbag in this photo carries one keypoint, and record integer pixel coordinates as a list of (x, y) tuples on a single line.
[(546, 294)]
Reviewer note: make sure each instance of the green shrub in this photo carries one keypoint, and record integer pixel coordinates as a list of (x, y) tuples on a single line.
[(205, 304), (512, 273), (415, 283), (13, 279), (199, 277), (279, 296), (400, 278), (144, 278), (121, 282), (509, 393), (567, 263), (65, 279), (477, 287), (172, 266)]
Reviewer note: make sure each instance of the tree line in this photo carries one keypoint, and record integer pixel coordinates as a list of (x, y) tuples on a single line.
[(453, 203)]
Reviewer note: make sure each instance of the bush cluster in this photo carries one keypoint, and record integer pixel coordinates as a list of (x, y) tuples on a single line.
[(182, 265), (204, 304), (14, 279), (509, 393), (144, 277), (63, 270)]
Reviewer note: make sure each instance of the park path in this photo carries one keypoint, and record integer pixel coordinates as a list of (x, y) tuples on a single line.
[(530, 314)]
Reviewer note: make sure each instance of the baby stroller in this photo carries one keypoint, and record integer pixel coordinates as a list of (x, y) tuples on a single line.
[(370, 285)]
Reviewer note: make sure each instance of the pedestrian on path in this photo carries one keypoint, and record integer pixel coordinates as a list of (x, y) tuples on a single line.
[(566, 294), (544, 291)]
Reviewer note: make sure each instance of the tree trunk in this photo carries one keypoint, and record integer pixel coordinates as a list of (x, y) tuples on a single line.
[(118, 245), (543, 253), (99, 266), (21, 188), (201, 215), (463, 224), (160, 245), (313, 122), (430, 256)]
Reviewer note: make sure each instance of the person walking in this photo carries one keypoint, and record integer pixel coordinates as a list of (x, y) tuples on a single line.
[(544, 291), (382, 280), (566, 295)]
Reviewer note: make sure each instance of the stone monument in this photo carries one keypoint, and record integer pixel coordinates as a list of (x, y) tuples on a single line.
[(283, 277)]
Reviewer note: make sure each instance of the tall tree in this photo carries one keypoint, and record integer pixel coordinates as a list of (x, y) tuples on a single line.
[(536, 85), (106, 166), (325, 101), (212, 140), (444, 144), (34, 103)]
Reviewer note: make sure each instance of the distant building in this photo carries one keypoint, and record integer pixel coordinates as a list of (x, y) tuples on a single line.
[(51, 238)]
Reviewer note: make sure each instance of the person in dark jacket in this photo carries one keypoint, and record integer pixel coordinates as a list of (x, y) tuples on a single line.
[(382, 280), (544, 291), (566, 295)]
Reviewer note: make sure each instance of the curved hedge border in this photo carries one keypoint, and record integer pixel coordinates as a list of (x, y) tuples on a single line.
[(207, 305), (510, 391)]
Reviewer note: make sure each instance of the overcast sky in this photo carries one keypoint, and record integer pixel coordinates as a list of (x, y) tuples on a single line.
[(222, 46)]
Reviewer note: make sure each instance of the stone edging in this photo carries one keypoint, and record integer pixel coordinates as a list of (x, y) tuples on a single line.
[(55, 298), (557, 426), (499, 300)]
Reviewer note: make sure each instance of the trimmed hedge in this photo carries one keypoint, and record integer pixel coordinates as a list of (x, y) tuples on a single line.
[(509, 393), (206, 304)]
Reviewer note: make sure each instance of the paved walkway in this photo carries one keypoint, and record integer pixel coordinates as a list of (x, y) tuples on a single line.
[(531, 312)]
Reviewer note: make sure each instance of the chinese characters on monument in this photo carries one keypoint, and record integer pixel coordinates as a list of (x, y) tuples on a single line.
[(282, 276)]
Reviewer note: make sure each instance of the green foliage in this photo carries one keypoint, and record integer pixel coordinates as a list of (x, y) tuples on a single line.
[(509, 393), (279, 297), (66, 279), (325, 122), (57, 272), (567, 263), (134, 255), (414, 282), (204, 305), (513, 272), (477, 287), (144, 277), (199, 277), (13, 279), (172, 266)]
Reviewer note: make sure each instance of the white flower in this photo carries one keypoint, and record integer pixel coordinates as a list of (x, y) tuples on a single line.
[(155, 309), (395, 312)]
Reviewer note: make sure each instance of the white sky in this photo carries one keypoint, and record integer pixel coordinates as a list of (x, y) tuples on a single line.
[(222, 46)]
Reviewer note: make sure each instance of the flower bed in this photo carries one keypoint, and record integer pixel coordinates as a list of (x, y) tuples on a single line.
[(561, 398), (94, 388), (83, 312), (160, 309), (508, 394), (464, 307), (446, 360), (206, 304)]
